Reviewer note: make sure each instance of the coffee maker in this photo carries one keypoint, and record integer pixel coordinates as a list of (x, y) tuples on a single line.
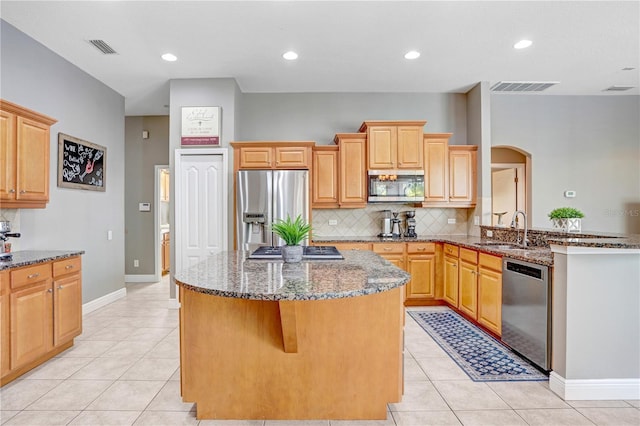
[(386, 224), (410, 224), (396, 232), (5, 233)]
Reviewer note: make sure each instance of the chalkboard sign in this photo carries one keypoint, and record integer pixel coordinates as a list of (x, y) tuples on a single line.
[(81, 164)]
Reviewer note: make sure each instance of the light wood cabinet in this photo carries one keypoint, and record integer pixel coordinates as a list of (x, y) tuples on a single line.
[(393, 252), (352, 174), (166, 259), (67, 300), (43, 313), (24, 157), (490, 292), (325, 178), (421, 264), (468, 282), (349, 246), (450, 172), (5, 331), (394, 144), (165, 188), (451, 275), (272, 155)]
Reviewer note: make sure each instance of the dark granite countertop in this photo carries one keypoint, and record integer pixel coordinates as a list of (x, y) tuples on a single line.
[(628, 242), (231, 274), (32, 257), (539, 255)]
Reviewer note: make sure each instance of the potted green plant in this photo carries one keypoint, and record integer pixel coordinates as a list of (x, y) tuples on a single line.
[(293, 232), (567, 219)]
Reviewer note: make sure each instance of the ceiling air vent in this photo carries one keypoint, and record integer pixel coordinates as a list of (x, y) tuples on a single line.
[(522, 86), (102, 46), (615, 88)]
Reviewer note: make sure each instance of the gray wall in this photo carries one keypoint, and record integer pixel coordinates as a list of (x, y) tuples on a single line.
[(590, 144), (36, 78), (142, 155), (319, 116)]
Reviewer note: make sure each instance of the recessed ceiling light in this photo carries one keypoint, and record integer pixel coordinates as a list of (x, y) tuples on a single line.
[(522, 44), (412, 54), (290, 55), (169, 57)]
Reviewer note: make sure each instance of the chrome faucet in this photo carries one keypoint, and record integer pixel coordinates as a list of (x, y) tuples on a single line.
[(514, 224)]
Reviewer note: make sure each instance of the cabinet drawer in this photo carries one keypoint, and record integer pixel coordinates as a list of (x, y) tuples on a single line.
[(255, 157), (491, 262), (292, 157), (67, 266), (468, 255), (386, 248), (350, 246), (450, 250), (30, 275), (421, 247)]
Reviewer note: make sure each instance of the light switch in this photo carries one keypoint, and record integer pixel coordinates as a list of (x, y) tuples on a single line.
[(109, 235), (451, 221), (144, 207)]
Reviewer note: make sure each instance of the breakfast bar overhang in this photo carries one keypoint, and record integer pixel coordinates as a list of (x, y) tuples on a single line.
[(263, 339)]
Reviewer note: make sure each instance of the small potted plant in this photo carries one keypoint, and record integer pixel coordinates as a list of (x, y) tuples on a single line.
[(293, 232), (567, 219)]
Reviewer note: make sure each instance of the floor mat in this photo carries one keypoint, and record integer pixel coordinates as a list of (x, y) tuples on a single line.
[(482, 357)]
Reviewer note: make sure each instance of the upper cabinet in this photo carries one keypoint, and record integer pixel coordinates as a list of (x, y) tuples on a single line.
[(353, 170), (24, 157), (324, 182), (394, 144), (272, 155), (450, 172)]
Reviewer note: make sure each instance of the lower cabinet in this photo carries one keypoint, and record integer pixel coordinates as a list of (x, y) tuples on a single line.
[(166, 259), (421, 264), (451, 275), (490, 292), (5, 331), (393, 252), (468, 283), (44, 314)]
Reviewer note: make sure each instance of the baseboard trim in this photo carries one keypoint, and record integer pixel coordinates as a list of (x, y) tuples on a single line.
[(103, 301), (150, 278), (594, 389)]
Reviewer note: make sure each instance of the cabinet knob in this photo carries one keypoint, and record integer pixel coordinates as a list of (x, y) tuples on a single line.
[(421, 249), (31, 276), (12, 191), (387, 249), (59, 287), (68, 267), (22, 191), (49, 290)]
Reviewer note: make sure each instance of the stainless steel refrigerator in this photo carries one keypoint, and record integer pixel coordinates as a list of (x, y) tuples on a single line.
[(264, 196)]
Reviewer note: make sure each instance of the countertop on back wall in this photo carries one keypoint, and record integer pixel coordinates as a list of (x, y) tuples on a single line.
[(539, 255)]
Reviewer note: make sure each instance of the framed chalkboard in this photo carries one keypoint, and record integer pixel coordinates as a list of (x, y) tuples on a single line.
[(81, 164)]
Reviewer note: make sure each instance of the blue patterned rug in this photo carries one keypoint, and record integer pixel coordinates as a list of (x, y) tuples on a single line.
[(482, 357)]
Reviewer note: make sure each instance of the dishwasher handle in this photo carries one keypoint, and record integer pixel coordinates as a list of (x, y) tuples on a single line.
[(521, 269)]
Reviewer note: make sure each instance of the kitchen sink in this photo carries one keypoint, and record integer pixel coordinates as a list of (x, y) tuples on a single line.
[(503, 246)]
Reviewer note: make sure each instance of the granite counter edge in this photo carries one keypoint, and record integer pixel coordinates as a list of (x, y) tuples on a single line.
[(40, 256)]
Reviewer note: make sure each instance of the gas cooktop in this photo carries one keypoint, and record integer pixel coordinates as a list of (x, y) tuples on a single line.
[(310, 252)]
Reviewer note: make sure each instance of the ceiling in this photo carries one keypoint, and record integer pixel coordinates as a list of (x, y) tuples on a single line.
[(346, 46)]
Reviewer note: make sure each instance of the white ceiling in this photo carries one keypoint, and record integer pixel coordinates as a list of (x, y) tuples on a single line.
[(346, 46)]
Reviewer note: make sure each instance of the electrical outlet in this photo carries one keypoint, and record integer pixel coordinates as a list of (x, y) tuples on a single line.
[(136, 263), (333, 222), (451, 221), (489, 233)]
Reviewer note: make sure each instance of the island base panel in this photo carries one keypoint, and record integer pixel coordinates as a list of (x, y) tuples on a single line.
[(347, 362)]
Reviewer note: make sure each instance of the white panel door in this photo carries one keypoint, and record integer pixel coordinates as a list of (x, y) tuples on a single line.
[(201, 207)]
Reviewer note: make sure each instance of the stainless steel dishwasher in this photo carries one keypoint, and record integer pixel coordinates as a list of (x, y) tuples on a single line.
[(526, 310)]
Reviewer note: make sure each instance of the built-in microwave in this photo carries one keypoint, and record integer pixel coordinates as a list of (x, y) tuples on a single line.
[(389, 186)]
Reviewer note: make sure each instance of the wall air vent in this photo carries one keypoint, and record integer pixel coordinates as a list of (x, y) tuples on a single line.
[(615, 88), (102, 46), (522, 86)]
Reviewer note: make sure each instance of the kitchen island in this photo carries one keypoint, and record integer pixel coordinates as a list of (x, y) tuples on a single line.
[(260, 339)]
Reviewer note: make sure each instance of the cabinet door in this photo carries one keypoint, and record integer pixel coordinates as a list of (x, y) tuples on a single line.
[(325, 178), (256, 157), (5, 352), (382, 147), (164, 185), (7, 156), (468, 297), (32, 155), (451, 280), (353, 173), (410, 147), (397, 260), (490, 300), (31, 322), (436, 169), (292, 157), (422, 270), (67, 308), (462, 181), (166, 259)]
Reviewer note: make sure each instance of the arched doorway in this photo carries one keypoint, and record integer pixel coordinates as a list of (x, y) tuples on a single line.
[(510, 184)]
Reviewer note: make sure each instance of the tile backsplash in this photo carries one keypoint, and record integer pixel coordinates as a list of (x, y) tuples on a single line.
[(367, 222)]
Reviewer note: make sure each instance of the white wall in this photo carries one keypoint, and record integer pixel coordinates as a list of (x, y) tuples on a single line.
[(590, 144), (38, 79)]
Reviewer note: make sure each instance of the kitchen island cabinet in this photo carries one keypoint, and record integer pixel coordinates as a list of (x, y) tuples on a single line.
[(260, 339)]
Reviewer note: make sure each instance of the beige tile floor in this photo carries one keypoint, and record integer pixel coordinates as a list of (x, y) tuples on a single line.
[(123, 370)]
